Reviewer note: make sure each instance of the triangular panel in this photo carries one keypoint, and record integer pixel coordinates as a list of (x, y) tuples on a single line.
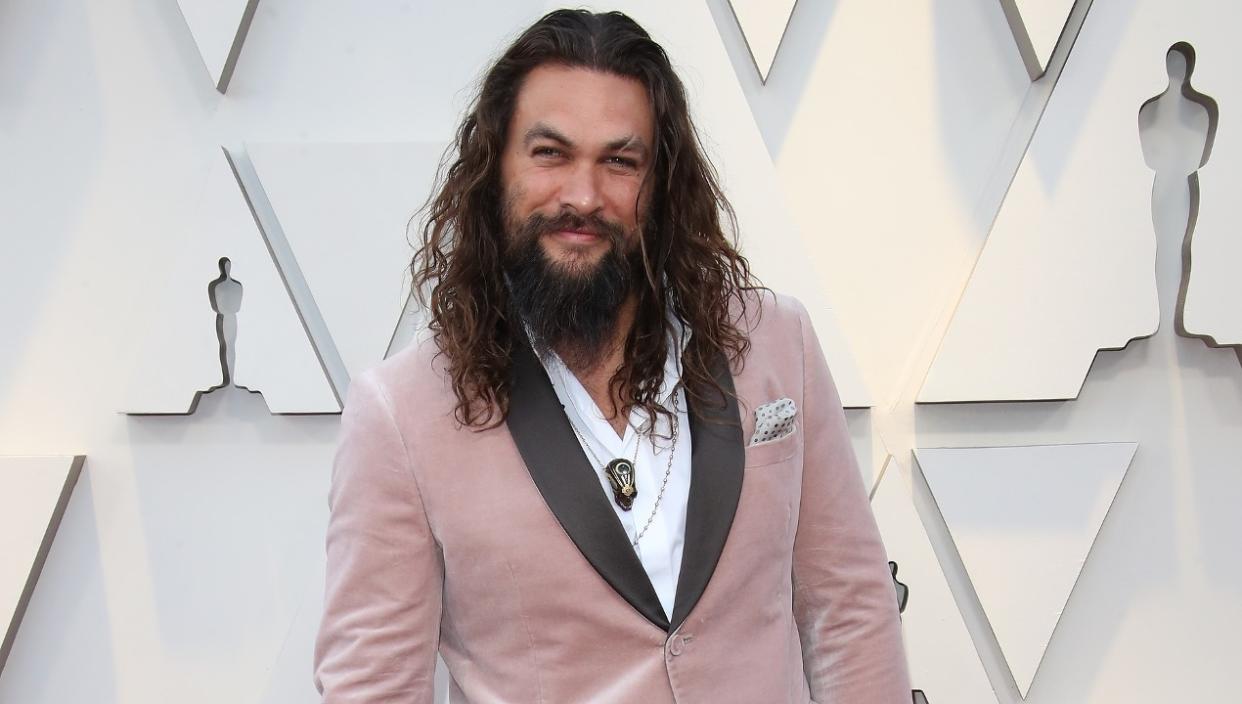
[(943, 661), (1037, 26), (1023, 520), (219, 28), (344, 209), (879, 107), (763, 24), (34, 492)]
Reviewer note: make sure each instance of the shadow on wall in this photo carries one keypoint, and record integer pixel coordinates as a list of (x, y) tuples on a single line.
[(1107, 39), (774, 104), (952, 20)]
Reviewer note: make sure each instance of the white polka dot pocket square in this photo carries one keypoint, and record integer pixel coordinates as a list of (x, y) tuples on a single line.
[(774, 421)]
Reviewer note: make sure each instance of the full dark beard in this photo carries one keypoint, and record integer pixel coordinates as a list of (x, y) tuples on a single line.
[(572, 309)]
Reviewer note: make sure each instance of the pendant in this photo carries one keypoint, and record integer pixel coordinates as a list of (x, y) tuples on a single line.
[(620, 473)]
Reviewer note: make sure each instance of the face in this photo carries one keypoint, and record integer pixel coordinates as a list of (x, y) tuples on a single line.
[(576, 155)]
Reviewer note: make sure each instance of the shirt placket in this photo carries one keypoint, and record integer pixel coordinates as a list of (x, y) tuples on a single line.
[(604, 441), (655, 548)]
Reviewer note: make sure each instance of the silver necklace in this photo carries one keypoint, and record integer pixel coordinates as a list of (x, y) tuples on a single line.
[(617, 478)]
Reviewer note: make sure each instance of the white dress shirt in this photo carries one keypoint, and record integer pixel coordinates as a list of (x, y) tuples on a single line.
[(660, 547)]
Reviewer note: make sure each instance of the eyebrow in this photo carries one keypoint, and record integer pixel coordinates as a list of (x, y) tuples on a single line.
[(542, 130), (628, 143)]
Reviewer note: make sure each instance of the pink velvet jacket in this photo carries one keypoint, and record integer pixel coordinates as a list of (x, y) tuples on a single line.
[(497, 549)]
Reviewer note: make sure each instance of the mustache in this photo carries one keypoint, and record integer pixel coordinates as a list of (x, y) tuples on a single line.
[(538, 224)]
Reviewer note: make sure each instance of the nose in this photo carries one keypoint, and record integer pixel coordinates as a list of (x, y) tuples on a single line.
[(580, 189)]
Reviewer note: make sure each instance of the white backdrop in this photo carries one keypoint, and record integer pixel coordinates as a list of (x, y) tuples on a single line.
[(868, 170)]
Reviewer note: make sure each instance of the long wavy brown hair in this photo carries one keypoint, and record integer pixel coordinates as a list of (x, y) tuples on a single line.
[(689, 250)]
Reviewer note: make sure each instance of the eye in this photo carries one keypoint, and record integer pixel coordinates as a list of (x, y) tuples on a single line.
[(546, 151), (623, 162)]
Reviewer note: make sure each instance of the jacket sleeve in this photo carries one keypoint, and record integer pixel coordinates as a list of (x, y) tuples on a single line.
[(380, 629), (845, 603)]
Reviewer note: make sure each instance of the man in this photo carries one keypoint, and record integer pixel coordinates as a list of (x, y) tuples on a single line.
[(620, 470)]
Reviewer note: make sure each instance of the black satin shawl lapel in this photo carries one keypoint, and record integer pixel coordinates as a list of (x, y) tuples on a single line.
[(717, 462), (570, 485)]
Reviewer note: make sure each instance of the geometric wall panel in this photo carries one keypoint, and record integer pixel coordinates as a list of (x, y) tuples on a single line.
[(344, 209), (943, 661), (219, 28), (1023, 520), (1068, 268), (34, 492), (763, 25), (1037, 26), (876, 105), (143, 620), (179, 353), (1212, 305), (767, 236)]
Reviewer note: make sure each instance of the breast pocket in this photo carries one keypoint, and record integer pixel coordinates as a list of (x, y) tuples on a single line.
[(774, 451)]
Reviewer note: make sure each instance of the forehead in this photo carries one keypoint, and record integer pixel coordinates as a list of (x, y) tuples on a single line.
[(583, 103)]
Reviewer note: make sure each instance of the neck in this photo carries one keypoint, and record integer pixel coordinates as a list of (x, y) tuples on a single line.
[(595, 368)]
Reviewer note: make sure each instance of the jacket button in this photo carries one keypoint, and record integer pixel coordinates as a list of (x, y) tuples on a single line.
[(675, 645)]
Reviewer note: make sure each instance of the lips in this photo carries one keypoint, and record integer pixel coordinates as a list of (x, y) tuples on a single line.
[(582, 236)]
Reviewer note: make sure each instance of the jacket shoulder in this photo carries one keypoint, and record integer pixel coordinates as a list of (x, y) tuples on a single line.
[(415, 382), (763, 313)]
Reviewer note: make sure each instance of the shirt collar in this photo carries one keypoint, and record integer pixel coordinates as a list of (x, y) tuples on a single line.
[(678, 337)]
